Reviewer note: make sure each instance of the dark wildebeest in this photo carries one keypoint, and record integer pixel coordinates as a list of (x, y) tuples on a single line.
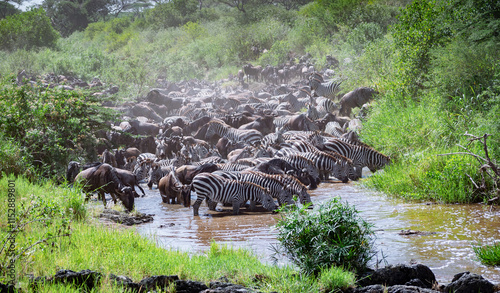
[(145, 128), (355, 98), (300, 122), (130, 179), (108, 158), (103, 178), (263, 124), (173, 191)]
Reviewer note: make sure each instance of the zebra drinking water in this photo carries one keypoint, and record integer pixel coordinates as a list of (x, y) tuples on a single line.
[(218, 189)]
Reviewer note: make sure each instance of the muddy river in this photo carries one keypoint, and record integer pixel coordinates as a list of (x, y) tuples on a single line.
[(446, 246)]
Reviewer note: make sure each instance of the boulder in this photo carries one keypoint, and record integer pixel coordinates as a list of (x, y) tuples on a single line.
[(400, 275), (467, 282)]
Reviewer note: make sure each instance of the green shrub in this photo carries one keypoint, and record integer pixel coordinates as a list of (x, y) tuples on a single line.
[(331, 235), (488, 254), (51, 126), (27, 30)]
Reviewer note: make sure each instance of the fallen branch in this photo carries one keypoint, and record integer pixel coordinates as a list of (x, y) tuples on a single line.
[(486, 164)]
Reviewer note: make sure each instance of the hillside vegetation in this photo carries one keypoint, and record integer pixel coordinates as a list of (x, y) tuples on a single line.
[(435, 64)]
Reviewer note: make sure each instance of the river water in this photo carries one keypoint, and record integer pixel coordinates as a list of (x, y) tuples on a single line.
[(446, 245)]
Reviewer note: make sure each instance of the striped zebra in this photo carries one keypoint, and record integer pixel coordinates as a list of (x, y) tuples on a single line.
[(325, 106), (298, 161), (327, 89), (345, 163), (313, 137), (218, 189), (290, 184), (250, 136), (143, 164), (338, 168), (361, 155), (212, 159), (232, 167), (334, 128), (275, 187)]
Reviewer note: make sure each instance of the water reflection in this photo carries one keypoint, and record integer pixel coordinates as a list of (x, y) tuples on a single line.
[(448, 251)]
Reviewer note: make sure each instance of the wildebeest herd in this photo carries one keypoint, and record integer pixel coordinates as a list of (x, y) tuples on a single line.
[(234, 146)]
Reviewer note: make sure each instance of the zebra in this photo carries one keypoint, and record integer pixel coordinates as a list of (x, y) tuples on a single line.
[(232, 167), (327, 89), (325, 106), (340, 169), (212, 159), (361, 155), (313, 137), (334, 128), (276, 188), (298, 161), (250, 136), (218, 189), (306, 147), (143, 164), (290, 184)]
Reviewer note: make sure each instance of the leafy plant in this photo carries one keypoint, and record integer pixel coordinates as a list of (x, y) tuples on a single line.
[(51, 125), (27, 30), (331, 235)]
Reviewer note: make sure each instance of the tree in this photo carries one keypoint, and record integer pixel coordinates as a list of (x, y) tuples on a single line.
[(27, 30), (7, 9), (69, 16)]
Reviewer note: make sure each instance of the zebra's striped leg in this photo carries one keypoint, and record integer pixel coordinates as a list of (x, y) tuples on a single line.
[(359, 171), (196, 205)]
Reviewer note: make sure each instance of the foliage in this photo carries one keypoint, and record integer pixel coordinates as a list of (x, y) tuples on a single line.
[(69, 16), (43, 208), (61, 125), (331, 235), (7, 9), (488, 254), (27, 30)]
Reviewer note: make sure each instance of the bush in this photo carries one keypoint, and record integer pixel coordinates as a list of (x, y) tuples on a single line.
[(331, 235), (27, 30), (51, 126)]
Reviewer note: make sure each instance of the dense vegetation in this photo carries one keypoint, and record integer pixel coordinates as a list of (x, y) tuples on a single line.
[(435, 64)]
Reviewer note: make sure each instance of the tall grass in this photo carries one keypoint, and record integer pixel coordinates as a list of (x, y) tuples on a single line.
[(488, 254)]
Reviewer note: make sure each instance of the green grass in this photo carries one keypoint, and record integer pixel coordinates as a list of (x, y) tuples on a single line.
[(488, 254), (121, 251)]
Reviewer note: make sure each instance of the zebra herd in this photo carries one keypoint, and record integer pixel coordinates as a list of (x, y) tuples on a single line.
[(243, 147)]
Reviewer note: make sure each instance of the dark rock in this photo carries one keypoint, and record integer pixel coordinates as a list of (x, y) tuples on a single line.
[(182, 286), (409, 289), (162, 282), (469, 283), (85, 279), (126, 219), (218, 287), (7, 288), (399, 275), (416, 283), (392, 289), (367, 289), (125, 281)]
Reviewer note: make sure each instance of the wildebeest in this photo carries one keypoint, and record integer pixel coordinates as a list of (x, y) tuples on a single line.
[(128, 178), (173, 191), (355, 98), (102, 179)]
